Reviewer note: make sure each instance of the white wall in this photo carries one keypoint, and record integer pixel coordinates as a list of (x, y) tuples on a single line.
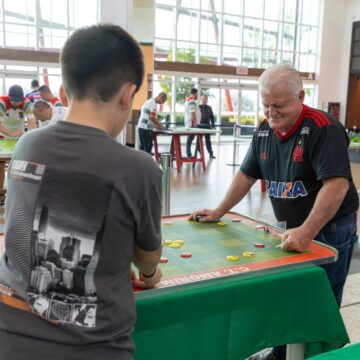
[(335, 51), (119, 12), (143, 21)]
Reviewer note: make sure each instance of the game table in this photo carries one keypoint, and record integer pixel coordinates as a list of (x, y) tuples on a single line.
[(6, 149), (176, 134), (208, 307)]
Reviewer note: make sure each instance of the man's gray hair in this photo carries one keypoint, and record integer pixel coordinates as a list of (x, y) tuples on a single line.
[(41, 105), (278, 74)]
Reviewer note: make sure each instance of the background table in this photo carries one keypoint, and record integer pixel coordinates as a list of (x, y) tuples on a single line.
[(232, 317), (176, 133)]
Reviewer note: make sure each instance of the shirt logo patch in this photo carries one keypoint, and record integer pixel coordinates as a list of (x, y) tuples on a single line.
[(285, 190), (263, 133), (298, 153), (305, 130)]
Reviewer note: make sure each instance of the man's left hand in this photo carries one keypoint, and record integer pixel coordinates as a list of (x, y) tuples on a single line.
[(297, 239)]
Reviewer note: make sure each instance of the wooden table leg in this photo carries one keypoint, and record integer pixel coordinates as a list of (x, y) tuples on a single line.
[(202, 153), (177, 148)]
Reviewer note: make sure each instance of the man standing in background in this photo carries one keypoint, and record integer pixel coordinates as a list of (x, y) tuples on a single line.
[(34, 94), (207, 122), (148, 120), (192, 117)]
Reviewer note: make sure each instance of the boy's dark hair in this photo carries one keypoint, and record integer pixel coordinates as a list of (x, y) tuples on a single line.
[(193, 91), (44, 88), (97, 61), (34, 83)]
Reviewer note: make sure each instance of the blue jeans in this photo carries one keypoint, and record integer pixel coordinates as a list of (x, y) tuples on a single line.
[(342, 238)]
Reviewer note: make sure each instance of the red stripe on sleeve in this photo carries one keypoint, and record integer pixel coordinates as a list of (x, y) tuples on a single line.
[(320, 116)]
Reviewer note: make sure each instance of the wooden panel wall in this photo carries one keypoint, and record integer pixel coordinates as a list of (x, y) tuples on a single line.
[(141, 95), (353, 106)]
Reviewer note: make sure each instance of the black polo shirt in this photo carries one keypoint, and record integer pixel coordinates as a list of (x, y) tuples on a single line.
[(294, 165)]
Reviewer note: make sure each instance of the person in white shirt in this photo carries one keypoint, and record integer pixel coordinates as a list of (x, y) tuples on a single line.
[(192, 117), (148, 120), (46, 114)]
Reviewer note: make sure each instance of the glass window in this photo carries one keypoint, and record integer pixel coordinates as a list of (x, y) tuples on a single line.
[(229, 106), (20, 36), (231, 55), (186, 52), (290, 10), (269, 58), (310, 12), (252, 33), (308, 36), (211, 5), (163, 50), (190, 4), (210, 26), (254, 8), (21, 12), (271, 35), (289, 38), (188, 25), (54, 12), (248, 107), (287, 58), (232, 30), (164, 16), (273, 9), (82, 12), (306, 63), (209, 54), (251, 57), (166, 2), (233, 7)]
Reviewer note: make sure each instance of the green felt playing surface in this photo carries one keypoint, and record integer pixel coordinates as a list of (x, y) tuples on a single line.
[(210, 244), (7, 146)]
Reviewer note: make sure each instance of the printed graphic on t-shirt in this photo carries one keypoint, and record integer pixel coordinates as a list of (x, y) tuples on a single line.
[(67, 231)]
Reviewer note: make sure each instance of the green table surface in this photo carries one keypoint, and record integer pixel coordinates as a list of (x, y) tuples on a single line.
[(234, 318), (6, 147), (354, 145), (351, 352)]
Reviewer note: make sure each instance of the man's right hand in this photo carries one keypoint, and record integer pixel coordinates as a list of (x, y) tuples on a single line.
[(147, 282), (205, 215)]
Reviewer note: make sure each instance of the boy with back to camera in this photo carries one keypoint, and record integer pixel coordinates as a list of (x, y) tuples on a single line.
[(78, 214)]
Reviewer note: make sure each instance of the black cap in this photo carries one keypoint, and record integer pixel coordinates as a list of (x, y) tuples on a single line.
[(16, 93)]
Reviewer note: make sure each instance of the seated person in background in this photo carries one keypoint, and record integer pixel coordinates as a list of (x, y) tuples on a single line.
[(46, 114), (47, 95), (14, 108), (34, 94)]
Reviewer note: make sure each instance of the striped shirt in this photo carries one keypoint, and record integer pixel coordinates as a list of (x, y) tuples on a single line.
[(148, 109)]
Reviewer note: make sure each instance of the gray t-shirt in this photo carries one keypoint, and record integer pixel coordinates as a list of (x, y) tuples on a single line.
[(77, 203)]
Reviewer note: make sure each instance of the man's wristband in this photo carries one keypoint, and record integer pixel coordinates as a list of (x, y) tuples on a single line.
[(148, 276)]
